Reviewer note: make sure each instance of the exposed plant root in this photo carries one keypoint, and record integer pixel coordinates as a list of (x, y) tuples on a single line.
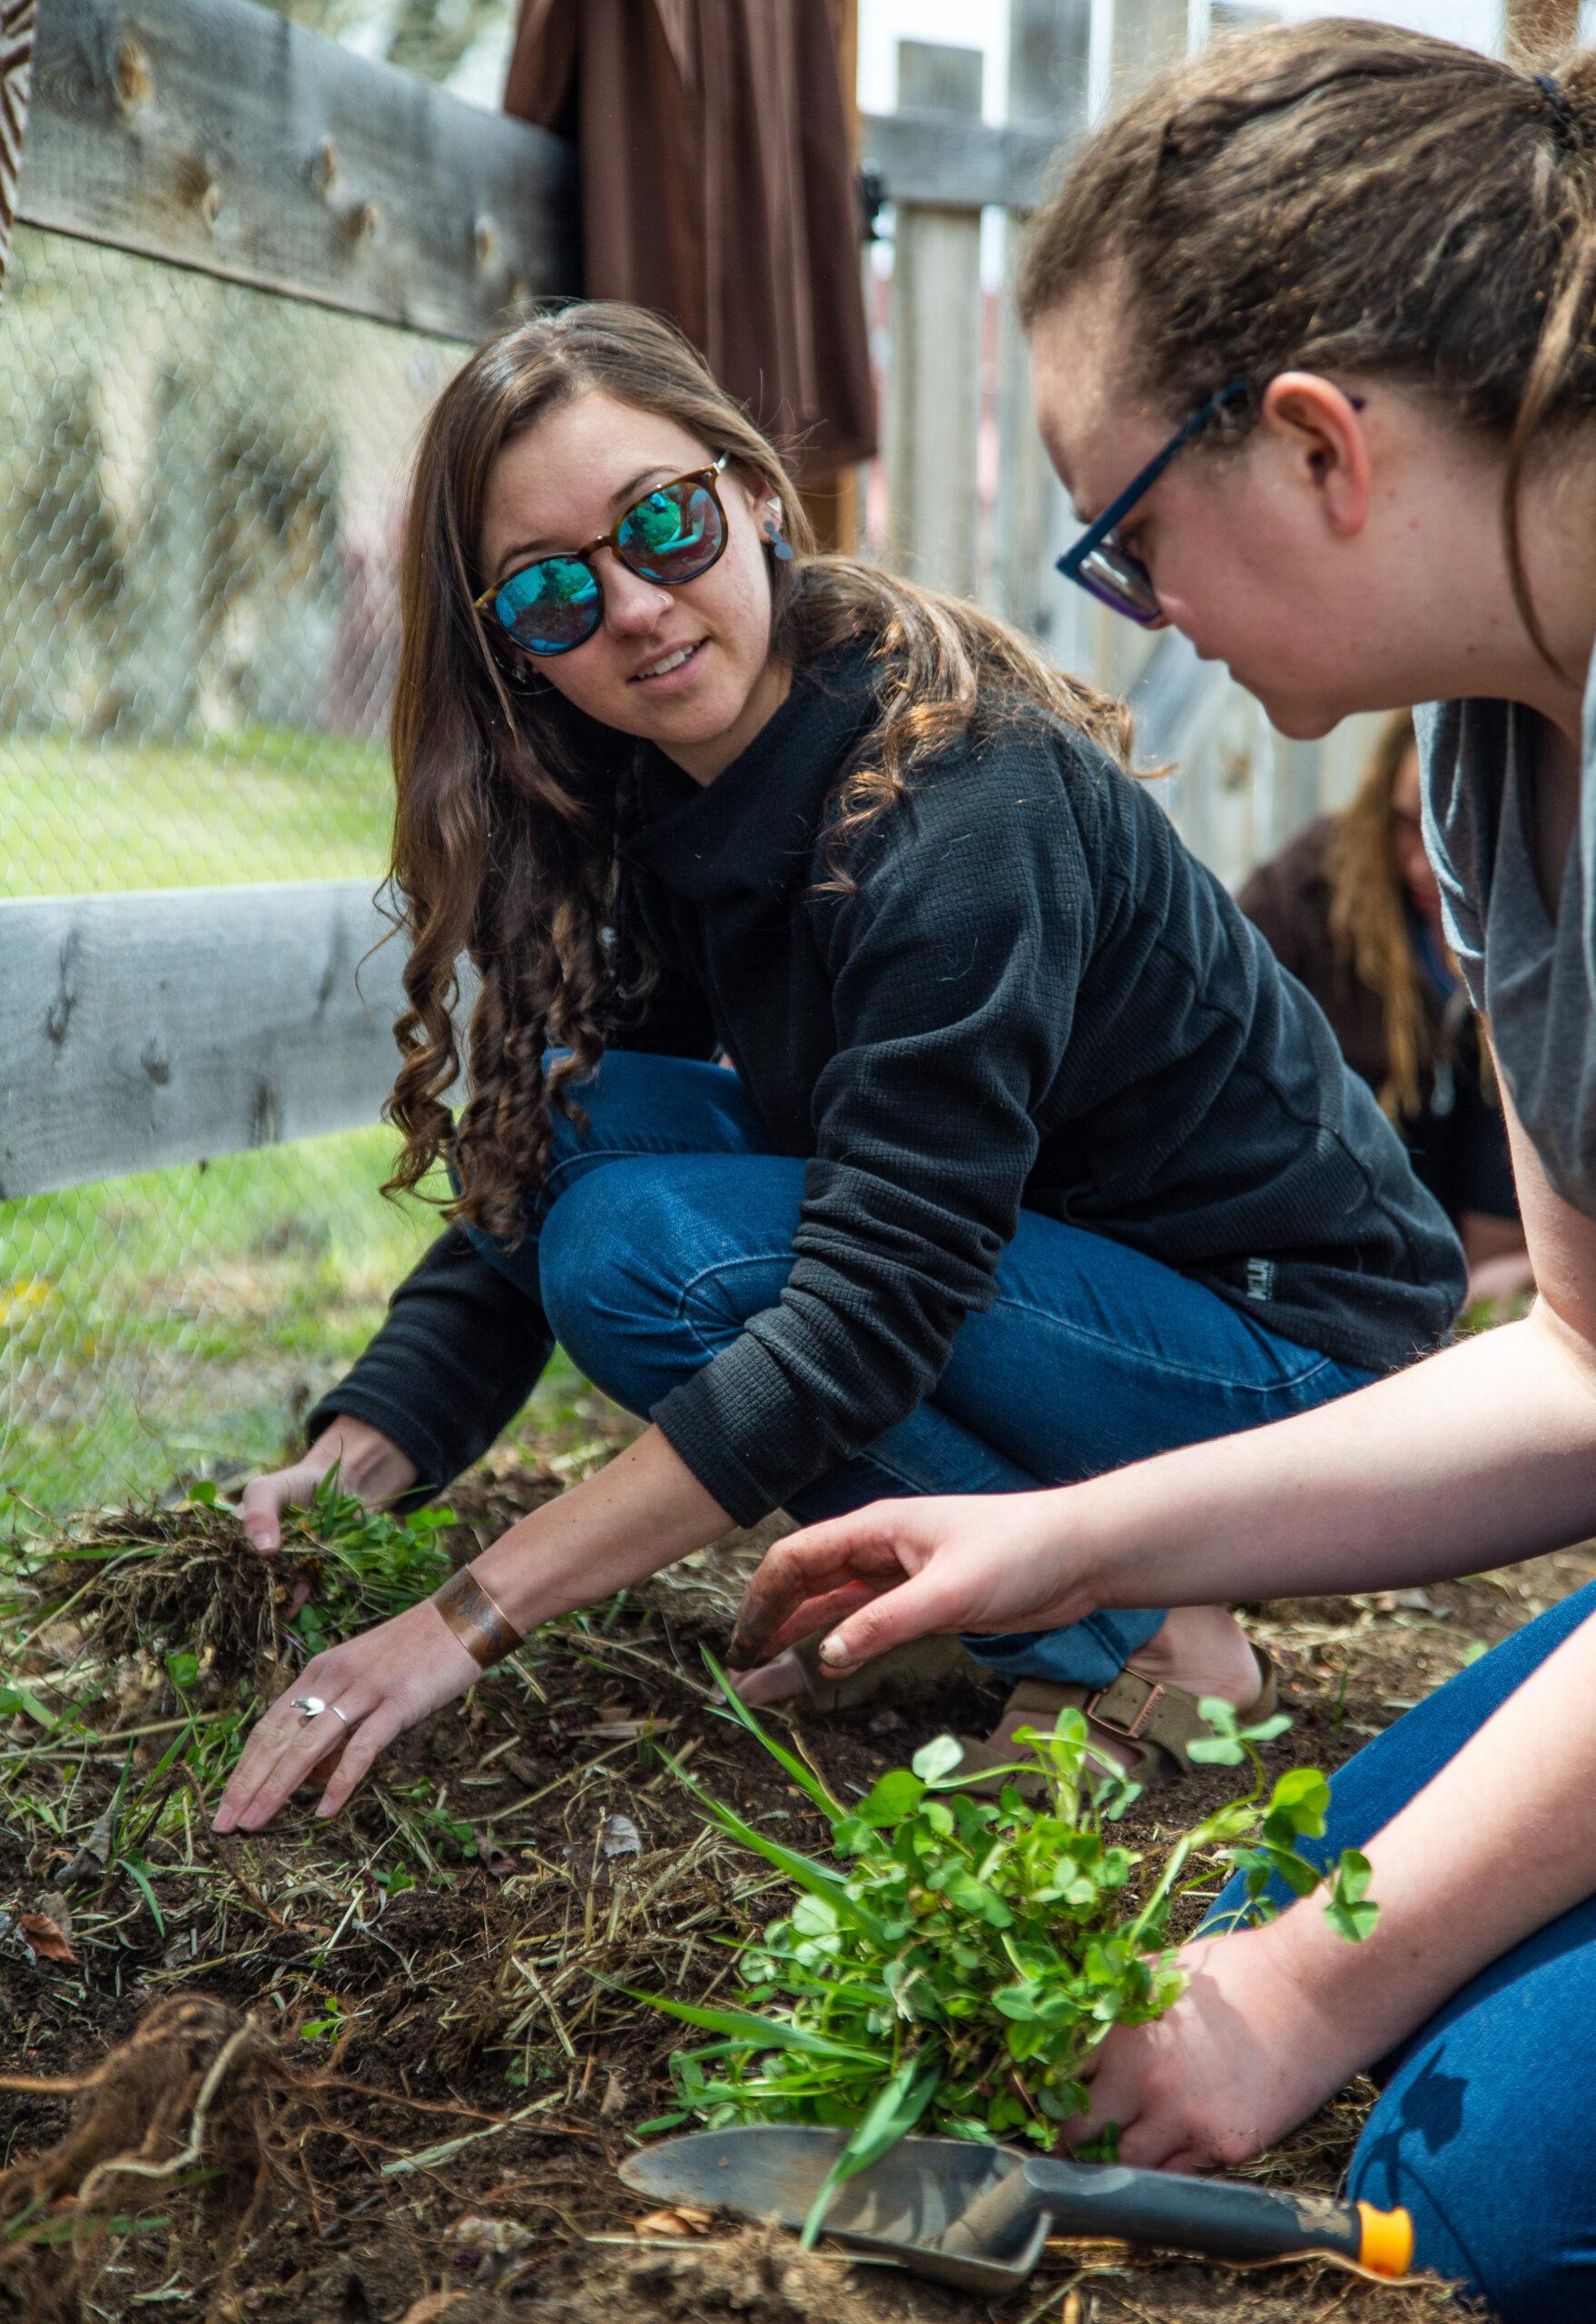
[(200, 2098), (188, 2098)]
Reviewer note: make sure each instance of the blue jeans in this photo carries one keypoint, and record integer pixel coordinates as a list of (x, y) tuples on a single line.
[(1482, 2130), (666, 1225)]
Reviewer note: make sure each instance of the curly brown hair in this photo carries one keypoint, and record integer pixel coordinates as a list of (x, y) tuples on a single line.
[(1344, 194), (505, 847)]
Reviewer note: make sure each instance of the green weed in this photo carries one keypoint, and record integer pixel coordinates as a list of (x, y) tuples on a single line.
[(959, 1964)]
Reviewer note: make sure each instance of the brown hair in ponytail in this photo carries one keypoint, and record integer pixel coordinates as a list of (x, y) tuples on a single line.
[(1342, 195), (1368, 919)]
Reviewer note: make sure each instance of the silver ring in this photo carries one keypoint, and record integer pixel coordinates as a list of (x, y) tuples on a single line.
[(307, 1706), (340, 1714)]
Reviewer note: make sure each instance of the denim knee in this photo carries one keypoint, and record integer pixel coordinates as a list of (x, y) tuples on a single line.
[(618, 1249)]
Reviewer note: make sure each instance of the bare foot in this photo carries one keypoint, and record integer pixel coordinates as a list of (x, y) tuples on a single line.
[(1203, 1648)]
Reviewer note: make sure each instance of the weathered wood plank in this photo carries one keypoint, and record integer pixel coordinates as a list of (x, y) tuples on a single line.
[(950, 163), (139, 1030), (214, 135), (934, 387), (18, 23), (1048, 54)]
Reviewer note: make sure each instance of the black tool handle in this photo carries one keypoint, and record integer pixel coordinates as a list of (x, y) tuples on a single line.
[(1220, 2219)]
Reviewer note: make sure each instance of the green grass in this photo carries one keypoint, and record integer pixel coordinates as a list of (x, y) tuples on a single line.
[(183, 1314), (185, 1319), (258, 804)]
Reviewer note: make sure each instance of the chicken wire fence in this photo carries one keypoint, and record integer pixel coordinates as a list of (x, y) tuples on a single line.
[(200, 499)]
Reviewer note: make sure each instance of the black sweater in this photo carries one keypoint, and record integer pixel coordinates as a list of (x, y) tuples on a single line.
[(1035, 996)]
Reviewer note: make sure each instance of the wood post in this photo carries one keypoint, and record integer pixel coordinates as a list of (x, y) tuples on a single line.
[(933, 404), (1049, 41), (18, 23)]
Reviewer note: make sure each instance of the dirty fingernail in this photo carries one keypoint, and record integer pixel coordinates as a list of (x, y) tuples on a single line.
[(832, 1651)]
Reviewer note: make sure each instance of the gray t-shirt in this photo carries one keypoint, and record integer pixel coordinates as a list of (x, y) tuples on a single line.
[(1535, 977)]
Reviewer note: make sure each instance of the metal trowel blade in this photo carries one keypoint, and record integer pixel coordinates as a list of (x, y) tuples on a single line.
[(897, 2209)]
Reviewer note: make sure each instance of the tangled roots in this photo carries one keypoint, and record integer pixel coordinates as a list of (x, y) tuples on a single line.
[(187, 2103)]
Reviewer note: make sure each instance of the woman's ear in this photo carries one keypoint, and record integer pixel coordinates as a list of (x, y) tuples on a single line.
[(1319, 430)]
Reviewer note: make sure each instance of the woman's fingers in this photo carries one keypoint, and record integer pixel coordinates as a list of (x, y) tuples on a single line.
[(917, 1607), (260, 1512), (859, 1550), (373, 1734), (283, 1753), (816, 1613), (264, 1500)]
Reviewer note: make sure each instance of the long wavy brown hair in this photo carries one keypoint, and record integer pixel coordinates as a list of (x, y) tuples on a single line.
[(1368, 919), (1348, 195), (506, 827)]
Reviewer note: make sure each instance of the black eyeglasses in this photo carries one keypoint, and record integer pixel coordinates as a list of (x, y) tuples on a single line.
[(1104, 567), (671, 535)]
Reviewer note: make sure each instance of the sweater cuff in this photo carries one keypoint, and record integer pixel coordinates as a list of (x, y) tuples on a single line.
[(437, 1462), (746, 1435)]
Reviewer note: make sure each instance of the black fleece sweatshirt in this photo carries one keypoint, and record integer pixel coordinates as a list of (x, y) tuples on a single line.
[(1034, 995)]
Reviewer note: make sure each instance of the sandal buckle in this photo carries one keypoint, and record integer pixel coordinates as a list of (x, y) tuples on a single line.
[(1133, 1731)]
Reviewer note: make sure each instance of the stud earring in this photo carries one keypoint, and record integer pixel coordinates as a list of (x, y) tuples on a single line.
[(780, 545)]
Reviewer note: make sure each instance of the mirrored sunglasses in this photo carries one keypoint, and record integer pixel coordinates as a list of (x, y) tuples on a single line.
[(672, 535)]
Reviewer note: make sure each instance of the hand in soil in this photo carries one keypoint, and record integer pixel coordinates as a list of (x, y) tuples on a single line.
[(1238, 2061), (374, 1686), (370, 1465), (901, 1570)]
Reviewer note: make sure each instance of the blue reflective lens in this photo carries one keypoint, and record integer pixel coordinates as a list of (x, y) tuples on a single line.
[(671, 535), (552, 606)]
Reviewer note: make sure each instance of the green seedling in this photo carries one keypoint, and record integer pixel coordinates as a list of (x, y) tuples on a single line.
[(957, 1961), (374, 1564)]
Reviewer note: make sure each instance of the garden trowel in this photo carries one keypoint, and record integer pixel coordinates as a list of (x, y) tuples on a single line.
[(978, 2216)]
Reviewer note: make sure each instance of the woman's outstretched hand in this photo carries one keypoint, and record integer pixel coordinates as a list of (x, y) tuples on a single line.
[(901, 1570), (1245, 2053), (374, 1686)]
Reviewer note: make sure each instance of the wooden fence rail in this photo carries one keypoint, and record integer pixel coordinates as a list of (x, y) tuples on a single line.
[(140, 1030), (212, 134)]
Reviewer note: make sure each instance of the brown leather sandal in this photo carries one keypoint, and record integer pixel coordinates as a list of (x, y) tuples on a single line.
[(1159, 1721), (917, 1669)]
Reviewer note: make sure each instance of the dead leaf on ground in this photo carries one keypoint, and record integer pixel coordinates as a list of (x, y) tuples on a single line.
[(91, 1857), (485, 2250), (431, 2306), (497, 1862), (49, 1932), (620, 1836), (683, 2219)]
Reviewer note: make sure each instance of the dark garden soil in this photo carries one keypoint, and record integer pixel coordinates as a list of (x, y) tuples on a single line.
[(379, 2069)]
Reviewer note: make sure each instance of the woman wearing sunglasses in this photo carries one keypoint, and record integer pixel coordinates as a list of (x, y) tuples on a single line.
[(1382, 248), (1029, 1160)]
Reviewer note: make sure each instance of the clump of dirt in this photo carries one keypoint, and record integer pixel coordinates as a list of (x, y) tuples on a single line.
[(758, 2275), (188, 1576)]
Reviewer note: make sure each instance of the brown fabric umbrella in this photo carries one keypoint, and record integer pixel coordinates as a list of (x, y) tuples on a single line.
[(717, 188), (19, 20)]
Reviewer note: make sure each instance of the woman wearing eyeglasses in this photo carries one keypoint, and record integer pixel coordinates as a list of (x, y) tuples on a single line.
[(1368, 259), (1029, 1160)]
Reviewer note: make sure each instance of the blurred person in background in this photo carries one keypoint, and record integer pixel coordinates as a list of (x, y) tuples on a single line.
[(1351, 907)]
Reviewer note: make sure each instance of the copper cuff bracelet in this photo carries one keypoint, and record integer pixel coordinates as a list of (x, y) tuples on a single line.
[(483, 1628)]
